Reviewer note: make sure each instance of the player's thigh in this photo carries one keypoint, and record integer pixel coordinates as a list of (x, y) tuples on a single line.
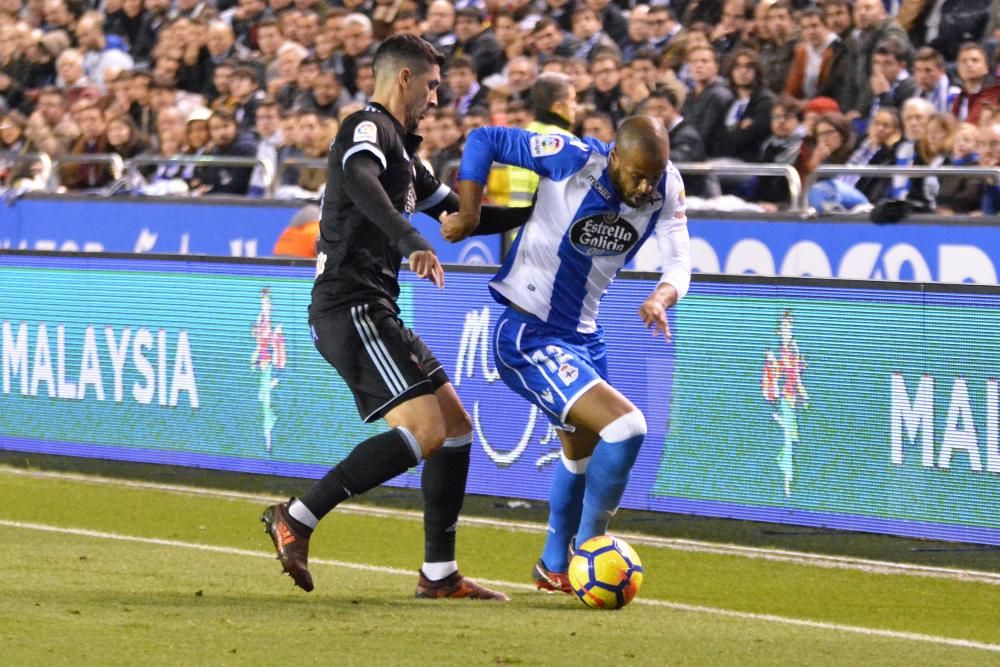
[(579, 443), (600, 405), (542, 366), (457, 420), (374, 355), (421, 416)]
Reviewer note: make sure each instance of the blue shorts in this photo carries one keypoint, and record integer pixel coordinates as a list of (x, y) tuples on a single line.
[(550, 367)]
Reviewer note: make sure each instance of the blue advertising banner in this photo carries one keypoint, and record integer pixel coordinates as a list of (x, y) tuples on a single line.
[(182, 226), (862, 406), (928, 250)]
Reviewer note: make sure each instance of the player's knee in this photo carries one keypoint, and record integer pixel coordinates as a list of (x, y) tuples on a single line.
[(430, 436), (460, 425), (626, 427)]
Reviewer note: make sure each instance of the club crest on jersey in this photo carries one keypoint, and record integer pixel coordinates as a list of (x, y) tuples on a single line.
[(366, 131), (603, 235), (546, 144), (568, 374)]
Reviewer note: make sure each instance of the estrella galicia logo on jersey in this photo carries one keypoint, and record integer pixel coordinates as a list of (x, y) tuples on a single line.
[(546, 144), (603, 235)]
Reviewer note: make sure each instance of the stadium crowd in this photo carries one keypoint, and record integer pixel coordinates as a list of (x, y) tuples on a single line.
[(856, 82)]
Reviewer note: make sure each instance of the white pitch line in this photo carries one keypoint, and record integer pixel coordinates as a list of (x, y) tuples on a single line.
[(677, 606), (806, 559)]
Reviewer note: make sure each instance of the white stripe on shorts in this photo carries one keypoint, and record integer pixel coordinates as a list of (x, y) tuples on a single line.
[(395, 385)]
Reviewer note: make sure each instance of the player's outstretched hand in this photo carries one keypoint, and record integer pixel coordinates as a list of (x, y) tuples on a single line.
[(654, 316), (426, 265), (456, 226)]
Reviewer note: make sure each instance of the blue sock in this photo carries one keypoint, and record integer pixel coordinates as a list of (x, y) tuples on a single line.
[(565, 507), (608, 473)]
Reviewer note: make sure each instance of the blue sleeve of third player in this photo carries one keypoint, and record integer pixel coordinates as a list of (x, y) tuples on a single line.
[(553, 156)]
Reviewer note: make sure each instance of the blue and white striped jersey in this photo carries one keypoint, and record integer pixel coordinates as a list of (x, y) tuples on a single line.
[(580, 234)]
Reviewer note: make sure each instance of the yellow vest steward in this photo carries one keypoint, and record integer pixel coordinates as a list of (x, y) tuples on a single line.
[(523, 182)]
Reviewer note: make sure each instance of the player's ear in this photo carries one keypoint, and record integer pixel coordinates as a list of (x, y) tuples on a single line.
[(405, 74)]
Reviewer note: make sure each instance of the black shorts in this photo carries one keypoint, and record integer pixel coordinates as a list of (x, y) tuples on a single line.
[(382, 361)]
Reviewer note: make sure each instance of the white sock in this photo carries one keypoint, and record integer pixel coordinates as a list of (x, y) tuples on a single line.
[(298, 511), (438, 571)]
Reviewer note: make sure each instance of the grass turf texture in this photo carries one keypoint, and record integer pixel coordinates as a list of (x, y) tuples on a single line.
[(72, 599)]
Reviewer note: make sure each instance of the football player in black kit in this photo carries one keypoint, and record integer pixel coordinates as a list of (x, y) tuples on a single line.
[(375, 180)]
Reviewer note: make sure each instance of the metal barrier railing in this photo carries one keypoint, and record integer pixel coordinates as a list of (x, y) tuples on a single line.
[(711, 169), (201, 161), (113, 160), (291, 163), (887, 171), (9, 157)]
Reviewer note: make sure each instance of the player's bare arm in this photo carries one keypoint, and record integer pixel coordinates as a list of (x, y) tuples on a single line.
[(654, 309)]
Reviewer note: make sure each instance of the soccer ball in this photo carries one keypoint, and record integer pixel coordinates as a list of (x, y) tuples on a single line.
[(605, 572)]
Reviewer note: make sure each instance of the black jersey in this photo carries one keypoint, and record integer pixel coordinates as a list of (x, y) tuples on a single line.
[(359, 258)]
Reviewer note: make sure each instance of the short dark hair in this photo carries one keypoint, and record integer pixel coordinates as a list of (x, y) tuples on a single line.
[(666, 94), (929, 53), (548, 89), (401, 51), (462, 62), (789, 104), (813, 11), (893, 47)]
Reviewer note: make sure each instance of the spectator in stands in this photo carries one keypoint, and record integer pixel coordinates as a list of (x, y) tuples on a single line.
[(644, 65), (225, 141), (958, 194), (197, 139), (93, 140), (707, 104), (945, 24), (476, 117), (406, 23), (326, 97), (729, 28), (71, 78), (474, 41), (560, 11), (365, 82), (549, 40), (640, 31), (932, 80), (591, 38), (220, 95), (124, 137), (779, 50), (848, 191), (316, 135), (57, 16), (890, 84), (167, 97), (170, 128), (782, 147), (140, 103), (135, 25), (989, 156), (302, 85), (12, 139), (440, 24), (245, 95), (613, 22), (13, 142), (308, 28), (448, 140), (359, 42), (875, 26), (522, 72), (290, 57), (919, 191), (269, 40), (837, 18), (50, 128), (979, 87), (598, 125), (269, 141), (747, 121), (812, 72), (634, 91), (686, 143), (465, 91), (664, 26), (606, 92), (102, 53), (509, 36)]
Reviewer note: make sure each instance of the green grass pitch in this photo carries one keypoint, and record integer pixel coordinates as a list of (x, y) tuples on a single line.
[(107, 574)]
